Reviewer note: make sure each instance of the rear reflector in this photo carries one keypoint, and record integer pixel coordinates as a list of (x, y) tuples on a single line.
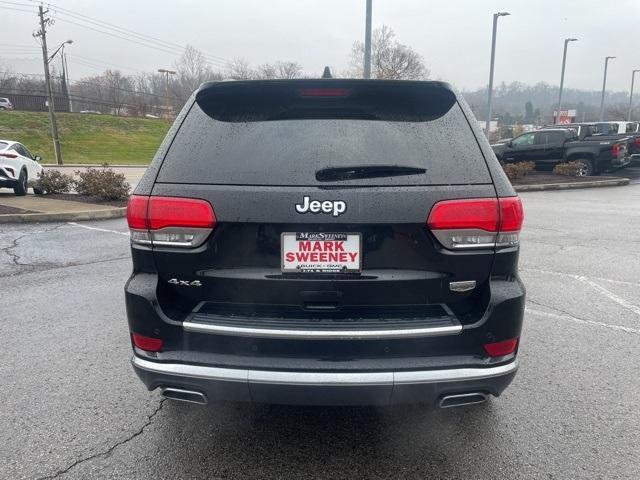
[(148, 344), (500, 349), (169, 221), (477, 222)]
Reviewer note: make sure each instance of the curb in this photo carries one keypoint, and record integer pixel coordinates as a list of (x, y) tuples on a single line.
[(115, 212), (90, 165), (614, 182)]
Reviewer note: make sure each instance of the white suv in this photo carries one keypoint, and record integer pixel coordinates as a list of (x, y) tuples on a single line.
[(18, 168), (5, 104)]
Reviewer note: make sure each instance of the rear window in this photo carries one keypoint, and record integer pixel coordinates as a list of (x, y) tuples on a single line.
[(245, 134)]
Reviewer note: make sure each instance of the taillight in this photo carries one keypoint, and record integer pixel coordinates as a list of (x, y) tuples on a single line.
[(637, 141), (169, 221), (615, 150), (500, 349), (8, 155), (477, 223), (148, 344)]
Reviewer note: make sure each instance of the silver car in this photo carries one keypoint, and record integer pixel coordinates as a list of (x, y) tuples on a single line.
[(5, 104)]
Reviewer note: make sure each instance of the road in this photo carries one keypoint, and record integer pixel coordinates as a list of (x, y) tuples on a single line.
[(72, 408)]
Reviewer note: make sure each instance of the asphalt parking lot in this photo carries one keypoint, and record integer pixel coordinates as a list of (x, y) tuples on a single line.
[(72, 408)]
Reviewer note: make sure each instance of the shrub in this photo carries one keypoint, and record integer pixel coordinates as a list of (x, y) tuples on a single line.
[(103, 183), (54, 181), (518, 170), (569, 169)]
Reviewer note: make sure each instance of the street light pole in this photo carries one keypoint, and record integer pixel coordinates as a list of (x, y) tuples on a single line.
[(166, 85), (367, 42), (493, 58), (604, 86), (564, 63), (633, 77)]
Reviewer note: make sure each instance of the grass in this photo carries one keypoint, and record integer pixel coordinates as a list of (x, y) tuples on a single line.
[(86, 138)]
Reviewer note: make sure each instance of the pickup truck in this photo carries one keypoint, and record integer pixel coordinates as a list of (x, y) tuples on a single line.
[(599, 131), (549, 146)]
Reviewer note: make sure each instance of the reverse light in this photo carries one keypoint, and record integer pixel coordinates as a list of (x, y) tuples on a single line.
[(148, 344), (477, 223), (500, 349), (169, 221)]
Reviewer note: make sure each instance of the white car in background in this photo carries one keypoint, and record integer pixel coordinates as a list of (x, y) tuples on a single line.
[(18, 168), (5, 104)]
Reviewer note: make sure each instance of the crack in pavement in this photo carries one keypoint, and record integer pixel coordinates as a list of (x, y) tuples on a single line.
[(110, 450), (45, 267), (15, 258)]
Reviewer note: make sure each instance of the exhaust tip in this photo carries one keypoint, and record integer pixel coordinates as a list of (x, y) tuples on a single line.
[(462, 399), (184, 395)]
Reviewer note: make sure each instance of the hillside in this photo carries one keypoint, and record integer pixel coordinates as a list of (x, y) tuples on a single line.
[(86, 138)]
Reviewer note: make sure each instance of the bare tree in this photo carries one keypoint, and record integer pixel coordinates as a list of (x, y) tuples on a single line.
[(193, 69), (389, 58), (240, 69), (116, 86), (279, 69)]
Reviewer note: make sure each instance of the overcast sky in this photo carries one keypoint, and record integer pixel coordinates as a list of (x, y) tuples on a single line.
[(453, 36)]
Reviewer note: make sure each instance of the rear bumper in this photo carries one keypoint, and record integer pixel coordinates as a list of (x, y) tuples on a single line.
[(324, 388)]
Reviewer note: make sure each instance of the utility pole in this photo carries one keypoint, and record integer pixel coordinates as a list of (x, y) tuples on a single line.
[(166, 85), (42, 33), (367, 42), (604, 87), (493, 59), (564, 62), (633, 77)]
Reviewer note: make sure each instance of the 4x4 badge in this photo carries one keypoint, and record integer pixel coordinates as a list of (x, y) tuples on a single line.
[(334, 207), (185, 283)]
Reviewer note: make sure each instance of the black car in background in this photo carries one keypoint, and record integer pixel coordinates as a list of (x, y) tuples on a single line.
[(550, 146), (325, 242)]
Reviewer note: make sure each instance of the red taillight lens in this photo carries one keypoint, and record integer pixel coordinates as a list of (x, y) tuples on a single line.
[(615, 150), (511, 214), (500, 349), (324, 92), (477, 223), (637, 141), (169, 221), (137, 212), (180, 212), (481, 213), (148, 344)]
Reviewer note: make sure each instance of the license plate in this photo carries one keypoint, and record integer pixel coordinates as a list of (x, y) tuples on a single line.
[(321, 252)]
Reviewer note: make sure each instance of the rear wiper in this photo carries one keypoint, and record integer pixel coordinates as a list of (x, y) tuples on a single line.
[(366, 171)]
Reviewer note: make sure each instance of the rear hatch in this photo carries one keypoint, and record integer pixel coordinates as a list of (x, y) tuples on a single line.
[(321, 192)]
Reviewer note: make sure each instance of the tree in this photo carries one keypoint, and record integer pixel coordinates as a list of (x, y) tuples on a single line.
[(529, 116), (239, 69), (389, 58), (279, 69), (192, 70)]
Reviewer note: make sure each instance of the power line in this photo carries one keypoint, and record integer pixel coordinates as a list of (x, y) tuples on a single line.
[(142, 36)]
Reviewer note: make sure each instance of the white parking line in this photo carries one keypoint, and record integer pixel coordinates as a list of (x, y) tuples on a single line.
[(557, 316), (74, 224), (577, 277), (612, 296)]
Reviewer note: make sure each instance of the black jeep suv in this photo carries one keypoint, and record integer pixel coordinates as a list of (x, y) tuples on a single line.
[(325, 242)]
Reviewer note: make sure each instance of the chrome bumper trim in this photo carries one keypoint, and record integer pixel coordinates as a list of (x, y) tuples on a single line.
[(324, 378), (321, 334)]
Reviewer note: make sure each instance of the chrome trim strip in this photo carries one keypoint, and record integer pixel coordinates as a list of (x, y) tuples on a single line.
[(324, 378), (320, 334)]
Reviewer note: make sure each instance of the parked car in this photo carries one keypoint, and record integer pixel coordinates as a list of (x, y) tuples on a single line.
[(5, 104), (18, 168), (549, 146), (600, 131), (325, 242)]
